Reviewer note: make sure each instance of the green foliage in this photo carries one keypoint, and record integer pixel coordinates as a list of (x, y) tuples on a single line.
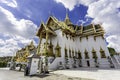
[(112, 51), (4, 61), (3, 64)]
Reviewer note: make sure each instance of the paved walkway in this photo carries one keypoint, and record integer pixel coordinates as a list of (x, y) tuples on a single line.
[(92, 73), (6, 74), (70, 74)]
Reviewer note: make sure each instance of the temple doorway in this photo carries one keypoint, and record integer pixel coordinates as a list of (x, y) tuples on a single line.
[(88, 63)]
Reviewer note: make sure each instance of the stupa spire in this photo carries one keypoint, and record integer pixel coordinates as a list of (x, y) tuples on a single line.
[(67, 19)]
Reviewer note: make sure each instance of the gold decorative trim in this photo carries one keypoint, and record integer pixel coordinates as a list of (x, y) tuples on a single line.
[(86, 54), (94, 53), (58, 50), (102, 52)]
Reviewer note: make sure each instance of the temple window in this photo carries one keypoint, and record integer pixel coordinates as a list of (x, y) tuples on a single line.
[(58, 50), (94, 53), (102, 52), (70, 53), (79, 55), (50, 49), (66, 52), (86, 54), (76, 54)]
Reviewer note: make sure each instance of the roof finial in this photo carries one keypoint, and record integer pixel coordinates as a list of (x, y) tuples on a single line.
[(67, 17), (67, 20)]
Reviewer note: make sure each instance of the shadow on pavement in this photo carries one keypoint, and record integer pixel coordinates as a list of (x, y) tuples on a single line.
[(40, 75)]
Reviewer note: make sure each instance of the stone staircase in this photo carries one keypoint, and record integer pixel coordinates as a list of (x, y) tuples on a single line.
[(51, 60), (116, 61), (54, 64)]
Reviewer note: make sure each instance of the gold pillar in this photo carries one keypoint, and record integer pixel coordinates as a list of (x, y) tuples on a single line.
[(46, 51), (38, 50)]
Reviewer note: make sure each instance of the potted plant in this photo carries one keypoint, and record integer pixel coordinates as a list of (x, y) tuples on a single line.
[(66, 63), (74, 64), (96, 62)]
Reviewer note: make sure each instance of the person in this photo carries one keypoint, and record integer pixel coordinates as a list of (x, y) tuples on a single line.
[(26, 71)]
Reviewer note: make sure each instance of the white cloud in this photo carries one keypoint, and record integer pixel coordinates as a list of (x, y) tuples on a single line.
[(114, 41), (106, 12), (22, 27), (70, 4), (9, 46), (11, 3), (14, 33)]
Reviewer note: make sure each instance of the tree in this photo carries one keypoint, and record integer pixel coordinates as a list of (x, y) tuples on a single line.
[(111, 51)]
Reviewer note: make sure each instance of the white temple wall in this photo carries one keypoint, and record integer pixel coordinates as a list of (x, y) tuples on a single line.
[(84, 45), (103, 62), (101, 43), (81, 45)]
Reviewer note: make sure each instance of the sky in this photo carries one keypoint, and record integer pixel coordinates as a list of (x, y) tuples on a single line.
[(20, 19)]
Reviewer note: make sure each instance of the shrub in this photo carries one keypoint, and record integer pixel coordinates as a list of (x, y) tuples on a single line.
[(3, 64)]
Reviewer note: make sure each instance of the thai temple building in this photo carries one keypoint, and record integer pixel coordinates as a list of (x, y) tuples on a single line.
[(22, 54), (72, 45)]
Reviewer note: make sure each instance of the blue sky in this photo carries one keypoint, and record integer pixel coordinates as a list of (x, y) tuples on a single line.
[(42, 9), (20, 19)]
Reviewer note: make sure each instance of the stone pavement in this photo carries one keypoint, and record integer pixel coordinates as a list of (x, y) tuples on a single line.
[(91, 73), (6, 74)]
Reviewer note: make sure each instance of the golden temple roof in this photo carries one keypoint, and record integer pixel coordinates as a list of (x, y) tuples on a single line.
[(69, 28)]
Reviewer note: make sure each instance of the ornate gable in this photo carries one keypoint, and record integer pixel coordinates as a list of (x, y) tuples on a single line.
[(41, 29), (53, 23)]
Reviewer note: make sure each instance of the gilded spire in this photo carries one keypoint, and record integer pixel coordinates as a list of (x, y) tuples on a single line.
[(31, 43), (67, 20), (67, 17)]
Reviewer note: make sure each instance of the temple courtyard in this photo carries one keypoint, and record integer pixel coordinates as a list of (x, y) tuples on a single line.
[(70, 74)]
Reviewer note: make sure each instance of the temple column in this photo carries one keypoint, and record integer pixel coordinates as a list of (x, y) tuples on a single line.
[(46, 54), (46, 44), (38, 50)]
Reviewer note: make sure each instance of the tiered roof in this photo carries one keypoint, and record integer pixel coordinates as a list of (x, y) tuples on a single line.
[(68, 27), (21, 55)]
